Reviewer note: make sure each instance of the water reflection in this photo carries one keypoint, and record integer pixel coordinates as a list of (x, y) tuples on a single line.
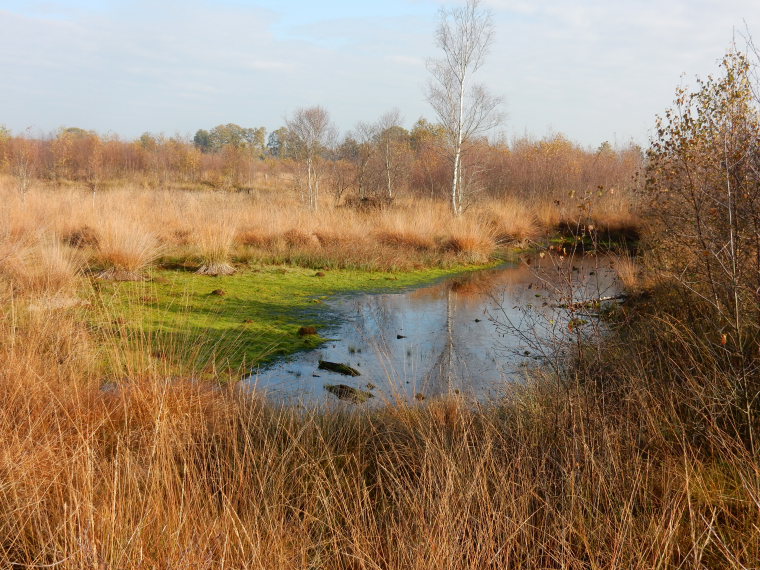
[(468, 334)]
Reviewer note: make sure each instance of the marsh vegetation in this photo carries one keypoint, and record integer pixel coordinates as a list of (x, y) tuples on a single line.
[(140, 281)]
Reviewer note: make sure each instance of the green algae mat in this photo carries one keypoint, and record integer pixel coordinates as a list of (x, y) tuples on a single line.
[(218, 324)]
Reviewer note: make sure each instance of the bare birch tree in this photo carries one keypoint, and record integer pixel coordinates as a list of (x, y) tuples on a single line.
[(24, 154), (387, 134), (465, 111), (310, 132), (365, 134)]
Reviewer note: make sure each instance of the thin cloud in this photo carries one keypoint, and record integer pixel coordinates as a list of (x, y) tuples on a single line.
[(592, 69)]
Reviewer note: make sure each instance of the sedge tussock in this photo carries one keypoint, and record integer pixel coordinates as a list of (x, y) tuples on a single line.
[(126, 249), (46, 266), (209, 229), (214, 240), (627, 271), (509, 221)]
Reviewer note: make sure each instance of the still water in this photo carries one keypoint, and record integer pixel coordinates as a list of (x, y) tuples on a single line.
[(468, 334)]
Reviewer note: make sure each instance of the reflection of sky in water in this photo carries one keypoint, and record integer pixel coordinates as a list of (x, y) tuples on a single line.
[(468, 333)]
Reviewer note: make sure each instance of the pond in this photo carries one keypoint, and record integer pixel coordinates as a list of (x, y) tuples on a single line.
[(469, 334)]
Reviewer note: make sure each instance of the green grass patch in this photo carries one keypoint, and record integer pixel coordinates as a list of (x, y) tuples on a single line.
[(216, 324)]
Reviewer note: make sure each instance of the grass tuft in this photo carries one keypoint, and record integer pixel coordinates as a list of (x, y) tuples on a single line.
[(126, 249)]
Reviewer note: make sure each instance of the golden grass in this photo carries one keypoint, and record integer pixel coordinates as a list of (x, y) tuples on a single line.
[(38, 267), (628, 271), (123, 227), (154, 471), (404, 239), (125, 248), (214, 244), (510, 220), (643, 457)]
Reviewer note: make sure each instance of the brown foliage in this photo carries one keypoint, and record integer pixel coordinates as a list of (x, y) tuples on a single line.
[(704, 191)]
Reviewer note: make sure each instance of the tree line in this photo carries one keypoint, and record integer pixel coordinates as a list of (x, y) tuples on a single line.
[(451, 158), (373, 163)]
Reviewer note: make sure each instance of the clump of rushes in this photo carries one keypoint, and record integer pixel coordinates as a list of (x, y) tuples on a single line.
[(509, 220), (406, 239), (474, 241), (214, 245), (46, 267), (126, 250), (627, 271)]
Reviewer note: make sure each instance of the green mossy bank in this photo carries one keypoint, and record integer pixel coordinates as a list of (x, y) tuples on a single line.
[(213, 325)]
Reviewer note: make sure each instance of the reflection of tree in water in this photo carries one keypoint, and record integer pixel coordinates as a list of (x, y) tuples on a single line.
[(450, 370), (455, 332), (375, 317), (440, 378), (464, 366), (445, 350), (377, 320)]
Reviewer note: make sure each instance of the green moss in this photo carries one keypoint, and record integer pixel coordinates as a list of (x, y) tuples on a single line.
[(231, 323)]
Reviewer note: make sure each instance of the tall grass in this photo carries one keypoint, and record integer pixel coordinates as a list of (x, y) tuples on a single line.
[(126, 248), (214, 245), (122, 228), (628, 272), (643, 454), (643, 458), (42, 266)]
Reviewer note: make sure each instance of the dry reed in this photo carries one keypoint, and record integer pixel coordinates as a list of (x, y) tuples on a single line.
[(642, 457)]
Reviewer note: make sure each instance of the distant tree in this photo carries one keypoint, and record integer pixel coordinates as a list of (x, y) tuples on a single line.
[(465, 111), (345, 170), (233, 135), (77, 155), (5, 137), (348, 149), (391, 139), (277, 143), (428, 141), (202, 140), (605, 148), (24, 157), (229, 134), (425, 133), (255, 139), (341, 176), (94, 168), (366, 135), (148, 141), (61, 149), (75, 132), (310, 134)]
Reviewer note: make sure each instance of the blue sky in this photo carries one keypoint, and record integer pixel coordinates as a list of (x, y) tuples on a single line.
[(592, 69)]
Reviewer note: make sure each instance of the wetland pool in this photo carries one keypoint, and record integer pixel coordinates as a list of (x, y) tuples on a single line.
[(469, 334)]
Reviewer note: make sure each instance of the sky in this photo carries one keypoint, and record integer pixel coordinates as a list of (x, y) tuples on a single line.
[(593, 70)]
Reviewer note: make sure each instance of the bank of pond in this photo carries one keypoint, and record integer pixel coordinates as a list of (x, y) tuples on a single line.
[(305, 336)]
